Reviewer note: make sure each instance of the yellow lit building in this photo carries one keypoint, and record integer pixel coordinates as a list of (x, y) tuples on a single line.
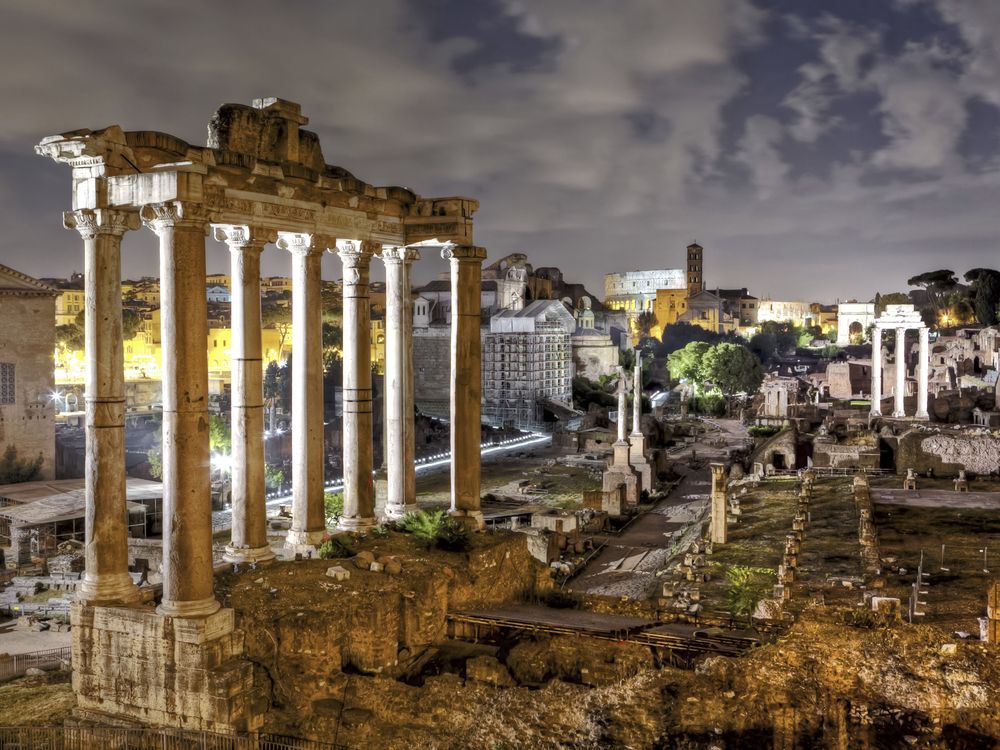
[(378, 345), (668, 307), (69, 304)]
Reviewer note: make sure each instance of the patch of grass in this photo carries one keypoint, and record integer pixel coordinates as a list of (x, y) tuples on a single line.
[(36, 700)]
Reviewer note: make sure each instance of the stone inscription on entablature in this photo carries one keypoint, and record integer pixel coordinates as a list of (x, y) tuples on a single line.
[(459, 233)]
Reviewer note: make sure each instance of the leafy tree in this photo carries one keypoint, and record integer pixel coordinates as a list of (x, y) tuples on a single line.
[(279, 318), (14, 469), (678, 335), (774, 339), (274, 477), (70, 336), (333, 507), (333, 343), (986, 294), (688, 363), (644, 323), (131, 323), (220, 437), (733, 369), (937, 284)]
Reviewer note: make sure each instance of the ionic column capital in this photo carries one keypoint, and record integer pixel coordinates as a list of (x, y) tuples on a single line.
[(398, 254), (356, 249), (90, 222), (299, 243), (173, 214), (467, 253), (241, 237)]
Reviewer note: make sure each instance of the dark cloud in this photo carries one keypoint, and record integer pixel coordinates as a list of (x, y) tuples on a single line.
[(817, 150)]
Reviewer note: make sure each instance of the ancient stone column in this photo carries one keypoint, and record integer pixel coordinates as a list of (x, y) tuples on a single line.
[(923, 373), (637, 441), (719, 531), (249, 526), (400, 444), (466, 380), (106, 579), (876, 397), (899, 409), (359, 489), (187, 503), (308, 515)]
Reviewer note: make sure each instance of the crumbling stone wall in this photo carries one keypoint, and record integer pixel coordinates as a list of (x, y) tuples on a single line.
[(946, 453)]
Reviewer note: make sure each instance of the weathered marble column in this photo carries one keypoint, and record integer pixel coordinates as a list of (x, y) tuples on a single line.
[(923, 373), (876, 396), (308, 515), (359, 488), (637, 441), (187, 502), (249, 525), (899, 408), (719, 510), (466, 380), (106, 579), (399, 433)]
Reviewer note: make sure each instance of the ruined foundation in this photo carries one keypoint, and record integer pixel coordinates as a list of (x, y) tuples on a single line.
[(132, 664)]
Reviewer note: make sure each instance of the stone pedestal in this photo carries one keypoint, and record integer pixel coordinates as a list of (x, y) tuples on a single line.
[(621, 473), (308, 516), (106, 579), (134, 665), (466, 381), (639, 462), (719, 531)]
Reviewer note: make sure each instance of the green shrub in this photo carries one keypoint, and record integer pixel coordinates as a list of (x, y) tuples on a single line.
[(436, 528), (333, 507), (334, 547), (747, 586), (712, 404), (454, 536), (763, 431)]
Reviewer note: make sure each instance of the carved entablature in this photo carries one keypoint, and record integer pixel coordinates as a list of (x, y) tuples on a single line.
[(260, 168)]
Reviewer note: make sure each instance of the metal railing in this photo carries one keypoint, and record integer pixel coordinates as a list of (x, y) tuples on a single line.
[(148, 738), (15, 665)]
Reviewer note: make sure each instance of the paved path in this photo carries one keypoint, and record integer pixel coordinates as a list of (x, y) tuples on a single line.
[(627, 566)]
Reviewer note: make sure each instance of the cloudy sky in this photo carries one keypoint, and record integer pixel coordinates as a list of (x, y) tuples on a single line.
[(818, 150)]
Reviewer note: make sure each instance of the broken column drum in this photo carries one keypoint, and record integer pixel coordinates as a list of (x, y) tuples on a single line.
[(261, 178)]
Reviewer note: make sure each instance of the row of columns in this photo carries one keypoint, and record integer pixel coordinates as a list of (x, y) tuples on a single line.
[(187, 530), (923, 372)]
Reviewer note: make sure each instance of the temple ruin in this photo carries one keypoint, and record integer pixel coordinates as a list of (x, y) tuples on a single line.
[(261, 179)]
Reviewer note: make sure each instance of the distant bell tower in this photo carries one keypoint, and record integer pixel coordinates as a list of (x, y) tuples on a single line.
[(696, 278)]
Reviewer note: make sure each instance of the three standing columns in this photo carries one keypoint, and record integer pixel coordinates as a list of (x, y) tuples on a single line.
[(308, 519), (106, 580), (400, 439), (359, 488), (249, 526), (466, 380), (899, 392), (187, 523)]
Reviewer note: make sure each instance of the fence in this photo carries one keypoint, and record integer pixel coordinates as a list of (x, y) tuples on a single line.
[(17, 664), (119, 738)]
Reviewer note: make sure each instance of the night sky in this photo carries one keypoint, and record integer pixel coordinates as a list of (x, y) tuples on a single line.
[(818, 150)]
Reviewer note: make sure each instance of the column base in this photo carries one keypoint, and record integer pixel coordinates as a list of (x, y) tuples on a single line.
[(471, 518), (898, 414), (189, 609), (107, 590), (875, 413), (922, 415), (298, 541), (395, 512), (357, 524), (249, 554)]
